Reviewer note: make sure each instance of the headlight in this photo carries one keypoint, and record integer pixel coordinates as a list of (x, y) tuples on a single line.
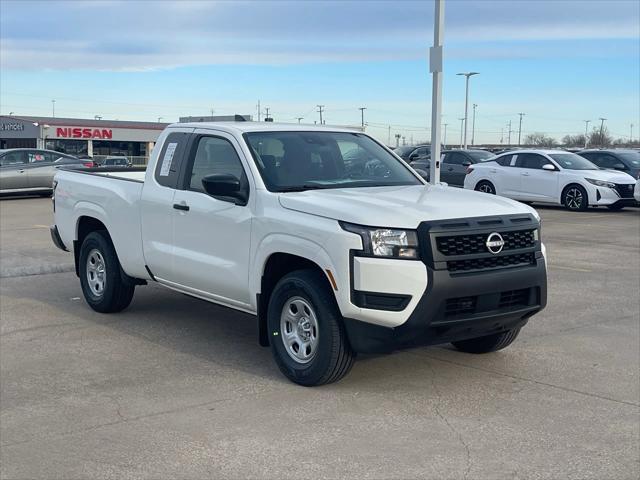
[(386, 242), (600, 183)]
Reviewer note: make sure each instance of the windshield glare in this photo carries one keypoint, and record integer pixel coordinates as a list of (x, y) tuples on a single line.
[(290, 161), (571, 161)]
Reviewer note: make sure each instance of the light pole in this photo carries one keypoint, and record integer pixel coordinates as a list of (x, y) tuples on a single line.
[(586, 132), (362, 109), (473, 125), (444, 142), (53, 108), (320, 107), (159, 119), (435, 67), (520, 127), (602, 131), (466, 102), (461, 130), (631, 134), (300, 118)]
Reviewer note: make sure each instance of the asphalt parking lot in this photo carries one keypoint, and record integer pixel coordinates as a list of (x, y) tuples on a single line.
[(178, 388)]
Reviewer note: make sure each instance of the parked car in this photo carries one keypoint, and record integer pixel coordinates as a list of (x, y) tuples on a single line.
[(454, 164), (636, 191), (26, 170), (551, 176), (406, 151), (115, 161), (265, 219), (623, 160)]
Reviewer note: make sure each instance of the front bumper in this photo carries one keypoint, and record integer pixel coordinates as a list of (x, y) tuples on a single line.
[(605, 197), (460, 307)]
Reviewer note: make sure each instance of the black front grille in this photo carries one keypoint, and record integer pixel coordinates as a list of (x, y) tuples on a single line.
[(460, 306), (487, 263), (454, 245), (625, 190), (506, 301), (514, 298)]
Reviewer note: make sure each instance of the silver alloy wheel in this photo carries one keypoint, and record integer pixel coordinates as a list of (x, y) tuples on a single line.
[(486, 188), (96, 272), (299, 329), (573, 198)]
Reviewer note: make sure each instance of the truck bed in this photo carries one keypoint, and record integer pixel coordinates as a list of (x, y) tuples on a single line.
[(135, 174)]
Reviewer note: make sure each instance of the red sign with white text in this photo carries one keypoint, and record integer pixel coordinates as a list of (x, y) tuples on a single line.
[(72, 132)]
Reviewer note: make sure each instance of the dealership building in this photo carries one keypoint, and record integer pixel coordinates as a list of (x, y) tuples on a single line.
[(95, 138)]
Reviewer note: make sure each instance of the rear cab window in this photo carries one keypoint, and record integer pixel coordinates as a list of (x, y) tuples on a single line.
[(170, 160)]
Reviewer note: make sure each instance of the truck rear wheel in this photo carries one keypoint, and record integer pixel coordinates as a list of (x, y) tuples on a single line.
[(307, 337), (490, 343), (100, 275)]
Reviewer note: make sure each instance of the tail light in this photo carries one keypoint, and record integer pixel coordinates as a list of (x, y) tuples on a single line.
[(469, 170), (88, 164)]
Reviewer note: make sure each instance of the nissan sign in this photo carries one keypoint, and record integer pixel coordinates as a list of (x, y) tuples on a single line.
[(72, 132)]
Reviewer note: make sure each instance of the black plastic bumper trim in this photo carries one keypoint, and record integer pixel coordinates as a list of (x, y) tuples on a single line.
[(380, 301), (55, 237)]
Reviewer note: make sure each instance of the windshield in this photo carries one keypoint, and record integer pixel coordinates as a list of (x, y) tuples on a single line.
[(480, 155), (571, 161), (295, 161), (631, 157)]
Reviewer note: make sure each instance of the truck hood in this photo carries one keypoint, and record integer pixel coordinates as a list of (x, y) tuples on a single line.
[(402, 207)]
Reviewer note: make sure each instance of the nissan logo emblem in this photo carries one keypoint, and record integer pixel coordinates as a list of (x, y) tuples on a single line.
[(495, 243)]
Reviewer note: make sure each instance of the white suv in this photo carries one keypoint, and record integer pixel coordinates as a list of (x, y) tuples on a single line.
[(551, 176)]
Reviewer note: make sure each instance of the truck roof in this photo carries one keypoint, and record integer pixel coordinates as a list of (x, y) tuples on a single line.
[(243, 127)]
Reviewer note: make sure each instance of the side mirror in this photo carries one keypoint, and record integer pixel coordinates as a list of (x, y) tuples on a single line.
[(466, 163), (413, 156), (224, 185), (549, 167), (619, 166)]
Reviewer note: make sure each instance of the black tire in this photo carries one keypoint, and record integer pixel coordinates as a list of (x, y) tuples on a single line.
[(574, 198), (116, 295), (615, 208), (333, 357), (486, 186), (490, 343)]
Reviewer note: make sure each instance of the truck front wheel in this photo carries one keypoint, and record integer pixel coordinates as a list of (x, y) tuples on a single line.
[(307, 337), (490, 343), (100, 275)]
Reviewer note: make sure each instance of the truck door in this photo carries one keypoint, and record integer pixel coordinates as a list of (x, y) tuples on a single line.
[(212, 235), (156, 203)]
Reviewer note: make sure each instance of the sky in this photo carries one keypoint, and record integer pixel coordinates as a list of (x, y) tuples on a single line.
[(558, 62)]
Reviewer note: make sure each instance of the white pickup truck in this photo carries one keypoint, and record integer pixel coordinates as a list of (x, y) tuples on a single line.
[(333, 242)]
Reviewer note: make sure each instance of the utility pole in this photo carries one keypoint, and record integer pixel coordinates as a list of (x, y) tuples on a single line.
[(435, 67), (466, 103), (53, 108), (444, 142), (520, 127), (631, 134), (602, 131), (586, 132), (397, 135), (509, 134), (473, 124), (159, 119), (404, 143), (258, 110), (320, 107), (266, 112), (501, 135), (300, 118), (461, 130), (212, 112), (362, 109)]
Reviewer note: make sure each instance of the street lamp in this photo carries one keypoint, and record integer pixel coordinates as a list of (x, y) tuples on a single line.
[(466, 102)]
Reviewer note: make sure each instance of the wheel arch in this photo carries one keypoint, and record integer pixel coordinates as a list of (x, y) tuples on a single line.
[(85, 225), (275, 267), (575, 183)]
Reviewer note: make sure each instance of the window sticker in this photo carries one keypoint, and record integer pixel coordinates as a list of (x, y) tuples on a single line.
[(168, 158)]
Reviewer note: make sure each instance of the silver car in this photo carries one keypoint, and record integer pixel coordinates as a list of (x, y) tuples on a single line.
[(27, 170)]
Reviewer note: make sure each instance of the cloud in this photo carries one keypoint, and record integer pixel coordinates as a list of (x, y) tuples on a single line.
[(143, 35)]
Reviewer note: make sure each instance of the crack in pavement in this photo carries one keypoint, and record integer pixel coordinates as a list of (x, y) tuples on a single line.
[(516, 377), (446, 421)]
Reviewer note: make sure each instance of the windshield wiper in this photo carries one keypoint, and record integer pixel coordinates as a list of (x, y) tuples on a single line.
[(301, 188)]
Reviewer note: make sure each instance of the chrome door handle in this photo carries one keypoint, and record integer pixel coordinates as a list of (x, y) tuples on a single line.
[(181, 206), (493, 170), (525, 174), (21, 171)]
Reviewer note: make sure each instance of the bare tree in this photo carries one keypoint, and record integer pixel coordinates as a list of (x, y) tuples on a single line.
[(598, 139), (538, 139), (573, 140)]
